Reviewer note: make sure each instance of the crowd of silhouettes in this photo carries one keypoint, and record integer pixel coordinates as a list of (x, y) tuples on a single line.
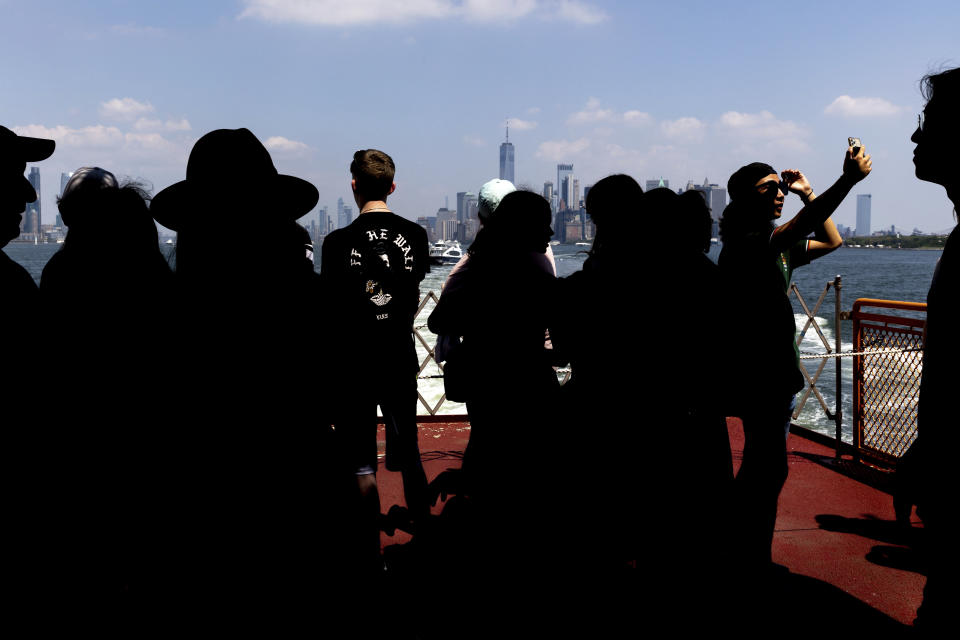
[(255, 485)]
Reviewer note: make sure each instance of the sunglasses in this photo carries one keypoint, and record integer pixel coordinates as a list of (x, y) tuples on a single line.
[(770, 185)]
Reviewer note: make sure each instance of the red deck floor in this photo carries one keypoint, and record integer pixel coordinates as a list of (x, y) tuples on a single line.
[(831, 527)]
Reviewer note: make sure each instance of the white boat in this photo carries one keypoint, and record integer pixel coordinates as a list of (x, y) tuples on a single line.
[(445, 252)]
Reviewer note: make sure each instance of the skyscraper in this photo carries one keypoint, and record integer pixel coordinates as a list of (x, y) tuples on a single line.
[(863, 214), (564, 172), (64, 178), (344, 214), (31, 216), (461, 209), (714, 194), (507, 159), (655, 184), (575, 195), (323, 221)]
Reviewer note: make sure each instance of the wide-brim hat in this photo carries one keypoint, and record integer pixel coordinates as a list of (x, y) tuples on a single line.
[(24, 148), (232, 159)]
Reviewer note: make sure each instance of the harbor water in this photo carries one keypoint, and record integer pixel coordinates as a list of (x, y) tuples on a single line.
[(891, 274)]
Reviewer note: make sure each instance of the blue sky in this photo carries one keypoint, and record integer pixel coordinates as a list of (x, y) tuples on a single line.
[(683, 90)]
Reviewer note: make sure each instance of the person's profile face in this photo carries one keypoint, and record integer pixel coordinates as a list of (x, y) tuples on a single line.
[(769, 193), (15, 192), (936, 136)]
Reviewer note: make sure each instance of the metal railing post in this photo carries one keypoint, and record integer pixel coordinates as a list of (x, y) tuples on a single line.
[(838, 413)]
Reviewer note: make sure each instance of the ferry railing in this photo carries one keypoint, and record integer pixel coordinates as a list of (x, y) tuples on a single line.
[(836, 415), (887, 366), (887, 355), (423, 337)]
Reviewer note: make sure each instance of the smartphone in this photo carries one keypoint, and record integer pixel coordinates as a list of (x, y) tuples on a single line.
[(856, 144)]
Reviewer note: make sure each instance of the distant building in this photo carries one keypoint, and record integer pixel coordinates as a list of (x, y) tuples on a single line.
[(656, 184), (507, 159), (461, 209), (863, 214), (344, 214), (64, 179), (548, 191), (564, 184), (323, 221), (715, 196), (575, 195), (470, 205), (30, 222), (446, 224)]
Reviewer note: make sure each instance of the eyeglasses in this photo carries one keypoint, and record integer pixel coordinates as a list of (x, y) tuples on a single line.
[(770, 185), (920, 119)]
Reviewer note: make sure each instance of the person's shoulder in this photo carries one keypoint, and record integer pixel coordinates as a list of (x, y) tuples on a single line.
[(14, 275), (407, 224), (334, 237)]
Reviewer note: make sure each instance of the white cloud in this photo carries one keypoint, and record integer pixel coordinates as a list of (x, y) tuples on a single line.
[(284, 145), (124, 108), (593, 114), (148, 142), (580, 12), (92, 136), (358, 12), (560, 150), (475, 141), (339, 13), (521, 125), (862, 107), (637, 118), (764, 126), (147, 124), (684, 129), (533, 110), (497, 10)]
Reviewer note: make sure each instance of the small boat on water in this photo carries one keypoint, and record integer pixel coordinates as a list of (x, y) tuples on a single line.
[(445, 252)]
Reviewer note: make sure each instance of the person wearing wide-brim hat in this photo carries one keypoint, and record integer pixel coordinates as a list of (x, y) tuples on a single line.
[(251, 461), (231, 165)]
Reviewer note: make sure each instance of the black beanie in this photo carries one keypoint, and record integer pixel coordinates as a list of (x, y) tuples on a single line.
[(743, 179)]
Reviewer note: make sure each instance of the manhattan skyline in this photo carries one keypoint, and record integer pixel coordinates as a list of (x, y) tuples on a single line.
[(681, 92)]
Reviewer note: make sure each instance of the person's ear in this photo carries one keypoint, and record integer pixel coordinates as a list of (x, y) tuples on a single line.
[(393, 187), (353, 186)]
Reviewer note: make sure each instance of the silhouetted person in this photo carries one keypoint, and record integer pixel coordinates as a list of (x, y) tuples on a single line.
[(104, 293), (17, 287), (937, 137), (596, 326), (26, 555), (373, 268), (758, 259), (246, 523), (510, 383), (488, 199), (700, 307)]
